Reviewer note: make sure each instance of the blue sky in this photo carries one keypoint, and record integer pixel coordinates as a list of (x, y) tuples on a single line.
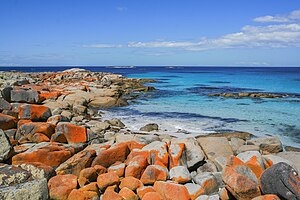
[(150, 32)]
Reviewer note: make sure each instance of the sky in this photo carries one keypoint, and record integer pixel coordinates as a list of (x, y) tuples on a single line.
[(150, 33)]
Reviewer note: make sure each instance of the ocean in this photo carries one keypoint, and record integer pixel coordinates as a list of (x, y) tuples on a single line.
[(181, 104)]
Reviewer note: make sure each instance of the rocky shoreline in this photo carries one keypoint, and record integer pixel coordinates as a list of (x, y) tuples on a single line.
[(56, 146), (254, 95)]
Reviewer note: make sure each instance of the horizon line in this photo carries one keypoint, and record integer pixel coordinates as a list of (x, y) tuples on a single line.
[(135, 66)]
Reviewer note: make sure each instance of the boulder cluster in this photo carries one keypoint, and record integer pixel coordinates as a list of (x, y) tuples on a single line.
[(54, 145)]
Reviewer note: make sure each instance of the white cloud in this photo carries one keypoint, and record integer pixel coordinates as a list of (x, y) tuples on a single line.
[(291, 17), (282, 35), (121, 9), (295, 14), (270, 18), (156, 44), (272, 36), (102, 46)]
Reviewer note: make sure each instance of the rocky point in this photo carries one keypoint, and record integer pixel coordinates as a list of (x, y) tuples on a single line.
[(55, 145)]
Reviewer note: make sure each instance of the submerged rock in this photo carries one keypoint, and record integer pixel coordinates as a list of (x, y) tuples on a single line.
[(116, 122), (149, 127)]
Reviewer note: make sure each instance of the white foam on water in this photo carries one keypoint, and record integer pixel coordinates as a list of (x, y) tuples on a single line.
[(179, 127), (172, 125)]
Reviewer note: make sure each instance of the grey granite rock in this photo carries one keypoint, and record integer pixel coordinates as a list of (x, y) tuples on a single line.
[(281, 179), (33, 190), (6, 150)]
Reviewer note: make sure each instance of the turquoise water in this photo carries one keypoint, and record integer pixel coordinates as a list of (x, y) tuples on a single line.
[(181, 102)]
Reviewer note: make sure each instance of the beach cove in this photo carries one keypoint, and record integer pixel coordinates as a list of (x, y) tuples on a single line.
[(56, 144)]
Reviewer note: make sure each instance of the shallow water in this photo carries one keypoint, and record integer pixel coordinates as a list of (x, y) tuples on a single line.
[(181, 102)]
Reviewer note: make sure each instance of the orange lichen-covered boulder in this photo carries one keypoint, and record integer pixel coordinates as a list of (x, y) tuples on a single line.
[(154, 173), (240, 180), (131, 183), (115, 153), (60, 186), (35, 127), (254, 165), (7, 122), (87, 175), (100, 169), (175, 152), (138, 152), (254, 161), (49, 95), (207, 181), (107, 179), (90, 174), (194, 190), (180, 174), (23, 121), (158, 152), (77, 163), (111, 195), (128, 194), (77, 195), (91, 190), (135, 145), (51, 154), (143, 190), (152, 196), (54, 119), (34, 112), (39, 137), (90, 187), (136, 166), (59, 137), (170, 191), (118, 167), (71, 132)]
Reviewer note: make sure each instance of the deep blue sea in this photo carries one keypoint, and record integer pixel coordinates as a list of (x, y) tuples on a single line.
[(180, 103)]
